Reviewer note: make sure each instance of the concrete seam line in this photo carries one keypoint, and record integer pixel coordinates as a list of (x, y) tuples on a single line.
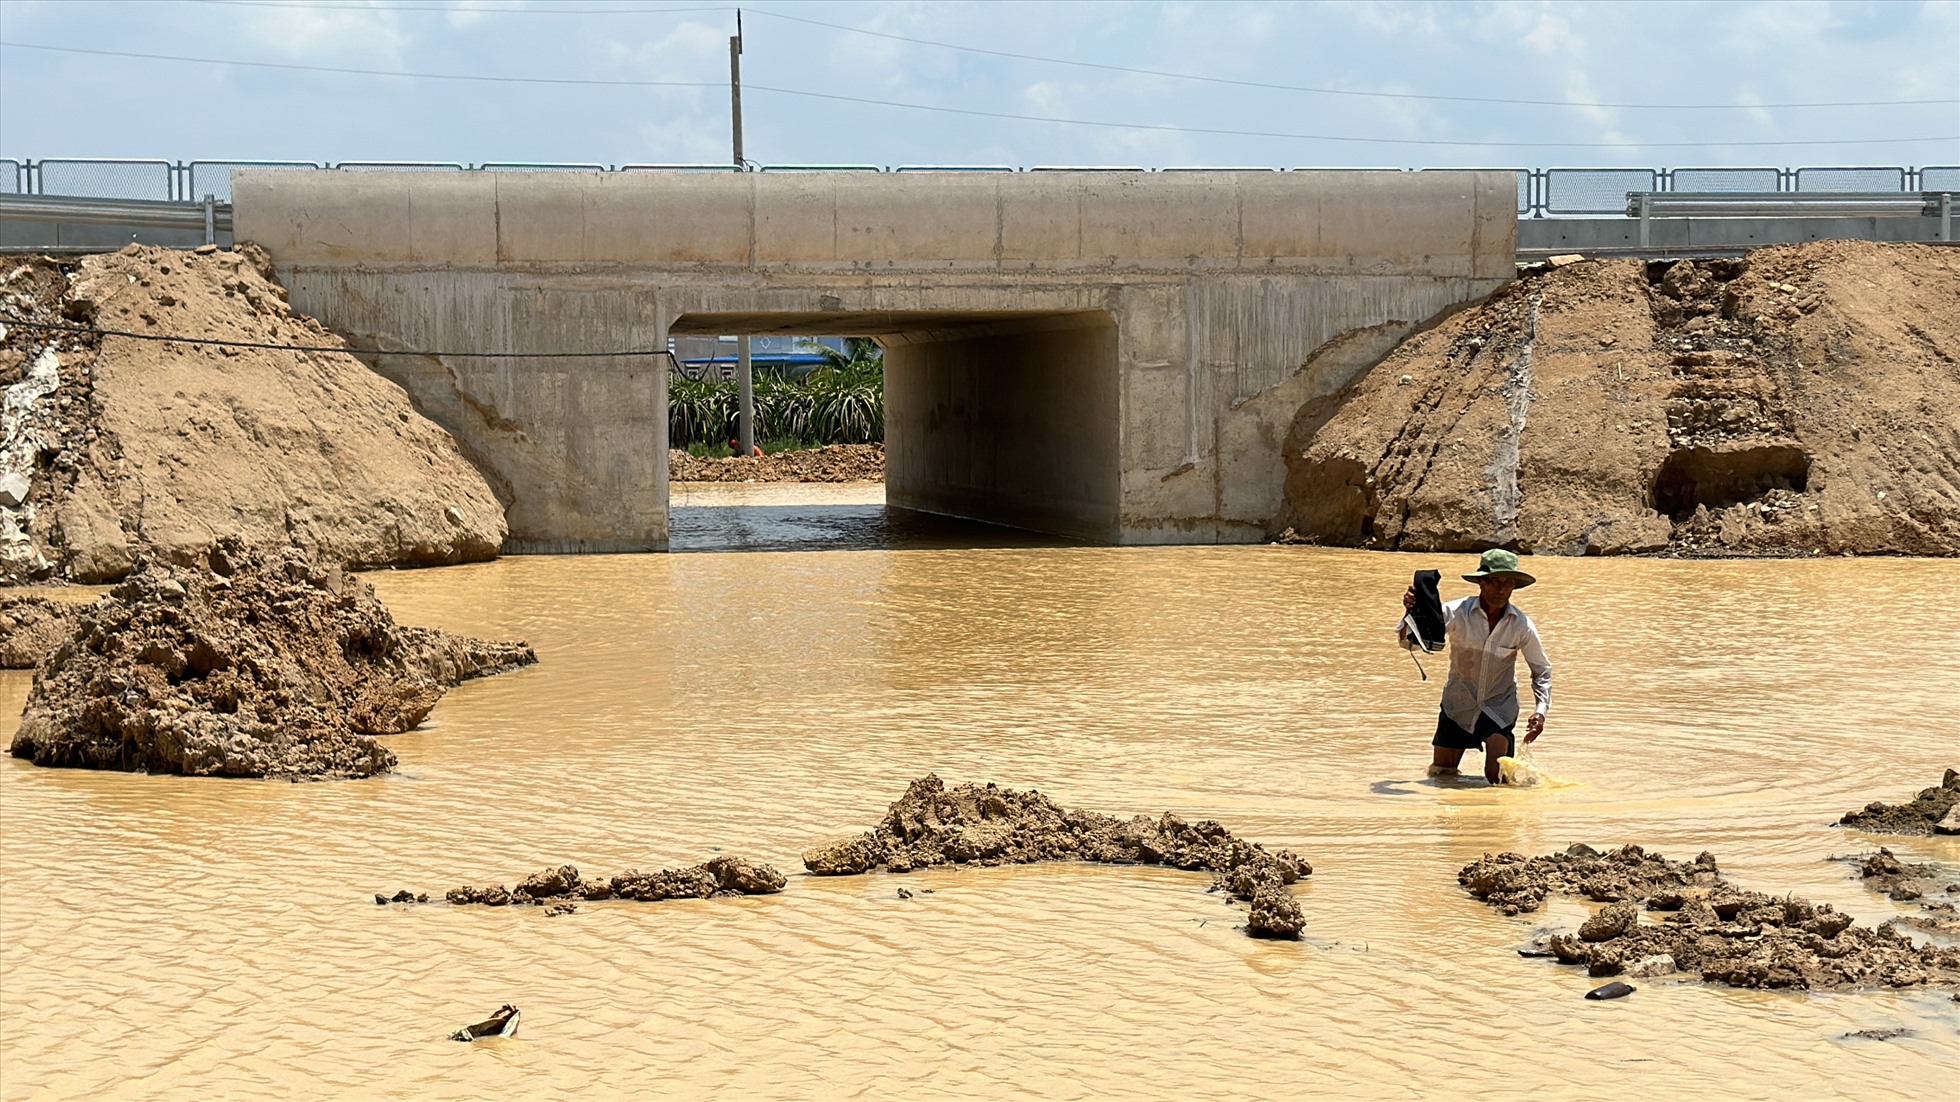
[(164, 338)]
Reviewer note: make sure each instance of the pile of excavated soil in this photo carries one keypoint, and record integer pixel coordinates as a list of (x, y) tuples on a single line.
[(1935, 810), (32, 627), (1805, 399), (972, 824), (1709, 927), (246, 665), (831, 463), (116, 448), (718, 876)]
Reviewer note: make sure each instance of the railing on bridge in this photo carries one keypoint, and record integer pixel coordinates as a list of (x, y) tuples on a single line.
[(1542, 192)]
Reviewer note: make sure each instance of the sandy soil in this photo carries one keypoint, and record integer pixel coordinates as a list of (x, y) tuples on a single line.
[(32, 627), (834, 463), (245, 666), (1708, 927), (975, 824), (118, 447), (1801, 400)]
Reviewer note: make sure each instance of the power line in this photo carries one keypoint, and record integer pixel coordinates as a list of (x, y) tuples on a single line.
[(1337, 91), (1132, 70), (161, 338), (977, 113)]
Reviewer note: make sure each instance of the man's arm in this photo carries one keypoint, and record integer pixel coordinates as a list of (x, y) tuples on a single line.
[(1541, 680)]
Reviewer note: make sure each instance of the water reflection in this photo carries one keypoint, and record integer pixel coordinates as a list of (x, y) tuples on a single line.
[(778, 516)]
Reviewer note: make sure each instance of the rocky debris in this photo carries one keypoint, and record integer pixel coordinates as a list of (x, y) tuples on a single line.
[(1932, 810), (1705, 925), (116, 448), (972, 824), (831, 463), (32, 627), (558, 889), (1929, 886), (1797, 401), (244, 665), (403, 896), (1891, 1034), (1514, 884)]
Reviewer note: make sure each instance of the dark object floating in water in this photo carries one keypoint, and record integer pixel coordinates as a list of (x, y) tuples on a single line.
[(403, 896), (501, 1024), (1891, 1034), (1614, 990), (1534, 950), (903, 894)]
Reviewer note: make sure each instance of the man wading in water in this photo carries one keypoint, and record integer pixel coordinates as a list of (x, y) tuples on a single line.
[(1486, 634)]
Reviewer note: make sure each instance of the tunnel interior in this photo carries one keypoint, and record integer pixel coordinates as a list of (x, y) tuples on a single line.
[(1008, 418)]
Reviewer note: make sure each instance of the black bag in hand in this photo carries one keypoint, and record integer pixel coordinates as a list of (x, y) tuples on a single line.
[(1426, 619)]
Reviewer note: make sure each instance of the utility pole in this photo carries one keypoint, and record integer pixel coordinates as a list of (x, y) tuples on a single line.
[(744, 366)]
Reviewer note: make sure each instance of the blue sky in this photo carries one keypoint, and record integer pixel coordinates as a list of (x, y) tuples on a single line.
[(1738, 56)]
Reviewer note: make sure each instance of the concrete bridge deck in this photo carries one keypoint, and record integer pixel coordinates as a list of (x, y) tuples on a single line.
[(1114, 358)]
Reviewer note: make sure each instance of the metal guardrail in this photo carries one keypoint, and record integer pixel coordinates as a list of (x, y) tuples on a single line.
[(211, 217), (1649, 205), (1542, 192)]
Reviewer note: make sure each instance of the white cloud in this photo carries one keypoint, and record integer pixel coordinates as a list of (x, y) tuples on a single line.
[(325, 35)]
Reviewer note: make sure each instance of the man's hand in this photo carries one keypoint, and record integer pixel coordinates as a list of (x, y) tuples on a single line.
[(1409, 599), (1534, 727)]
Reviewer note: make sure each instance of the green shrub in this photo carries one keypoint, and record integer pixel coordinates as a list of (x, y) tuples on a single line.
[(842, 402)]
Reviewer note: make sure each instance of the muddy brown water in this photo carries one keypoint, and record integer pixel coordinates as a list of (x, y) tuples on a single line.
[(162, 937)]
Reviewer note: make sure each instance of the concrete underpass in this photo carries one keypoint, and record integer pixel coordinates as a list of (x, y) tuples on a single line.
[(1114, 359)]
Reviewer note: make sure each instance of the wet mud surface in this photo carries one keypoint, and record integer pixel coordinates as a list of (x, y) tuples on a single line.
[(1934, 810), (246, 664), (1700, 925), (1933, 888), (985, 825), (559, 890)]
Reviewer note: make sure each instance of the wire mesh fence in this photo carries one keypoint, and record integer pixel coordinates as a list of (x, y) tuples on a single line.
[(1541, 192), (106, 179), (1851, 179), (1940, 178), (1725, 179), (213, 178), (1595, 190)]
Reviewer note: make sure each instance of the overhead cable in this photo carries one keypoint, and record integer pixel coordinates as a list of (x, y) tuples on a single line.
[(165, 338), (1132, 70), (977, 113)]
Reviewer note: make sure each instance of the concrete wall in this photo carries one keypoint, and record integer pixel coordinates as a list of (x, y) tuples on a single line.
[(1018, 427), (1221, 286)]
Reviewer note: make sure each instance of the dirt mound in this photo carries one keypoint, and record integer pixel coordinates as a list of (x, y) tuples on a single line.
[(116, 447), (832, 463), (32, 627), (1913, 882), (719, 876), (1709, 926), (246, 666), (1801, 400), (985, 825), (1925, 813)]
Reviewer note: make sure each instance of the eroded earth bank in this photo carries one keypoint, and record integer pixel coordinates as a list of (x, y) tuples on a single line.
[(1803, 399), (116, 448)]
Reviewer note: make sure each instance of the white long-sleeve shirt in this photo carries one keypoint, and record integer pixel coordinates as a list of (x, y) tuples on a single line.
[(1484, 663)]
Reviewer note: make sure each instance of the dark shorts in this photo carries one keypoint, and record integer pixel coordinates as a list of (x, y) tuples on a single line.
[(1450, 735)]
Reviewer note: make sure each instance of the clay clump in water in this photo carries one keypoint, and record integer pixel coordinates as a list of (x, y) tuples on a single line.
[(32, 627), (247, 664), (1932, 811), (1931, 887), (1706, 926), (559, 889), (972, 824)]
